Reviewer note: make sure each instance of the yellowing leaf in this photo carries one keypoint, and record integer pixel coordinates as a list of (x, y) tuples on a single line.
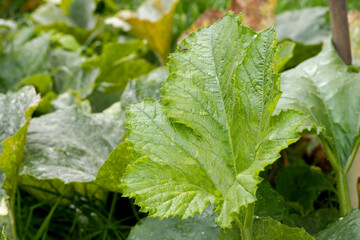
[(153, 22)]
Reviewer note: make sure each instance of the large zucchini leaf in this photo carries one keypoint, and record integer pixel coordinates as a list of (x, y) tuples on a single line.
[(327, 91), (70, 144), (15, 113), (213, 132)]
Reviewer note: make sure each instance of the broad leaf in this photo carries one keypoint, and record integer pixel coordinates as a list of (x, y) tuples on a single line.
[(70, 144), (269, 203), (23, 61), (345, 228), (213, 132), (81, 13), (15, 112), (300, 186), (199, 227), (314, 222), (70, 73), (313, 25), (109, 175), (267, 229), (119, 63), (153, 22), (147, 86), (324, 89)]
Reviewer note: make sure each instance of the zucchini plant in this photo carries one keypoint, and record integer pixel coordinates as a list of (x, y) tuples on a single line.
[(222, 119), (213, 131)]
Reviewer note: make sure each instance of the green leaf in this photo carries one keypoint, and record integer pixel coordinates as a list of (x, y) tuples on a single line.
[(153, 22), (301, 53), (267, 229), (200, 227), (16, 110), (300, 186), (213, 132), (147, 86), (70, 144), (286, 52), (42, 82), (345, 228), (68, 99), (23, 61), (71, 74), (109, 175), (314, 222), (269, 203), (113, 169), (2, 235), (45, 103), (80, 34), (81, 13), (314, 25), (118, 64), (323, 88), (49, 13)]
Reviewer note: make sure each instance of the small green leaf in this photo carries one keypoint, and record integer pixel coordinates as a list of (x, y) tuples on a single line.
[(345, 228), (213, 131), (286, 52), (42, 82)]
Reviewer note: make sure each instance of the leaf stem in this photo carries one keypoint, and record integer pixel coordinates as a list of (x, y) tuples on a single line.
[(246, 226), (343, 193), (341, 179)]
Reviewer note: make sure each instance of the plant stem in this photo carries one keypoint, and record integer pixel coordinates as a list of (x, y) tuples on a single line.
[(343, 193), (246, 225)]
